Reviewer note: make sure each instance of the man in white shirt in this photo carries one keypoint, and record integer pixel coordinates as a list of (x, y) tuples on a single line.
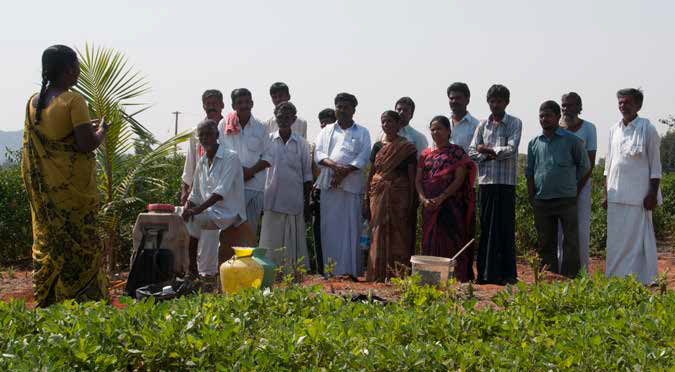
[(279, 93), (632, 177), (463, 123), (571, 108), (289, 180), (216, 200), (342, 152), (207, 256), (247, 136)]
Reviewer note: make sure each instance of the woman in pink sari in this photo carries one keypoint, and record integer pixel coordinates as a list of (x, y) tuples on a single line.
[(444, 181)]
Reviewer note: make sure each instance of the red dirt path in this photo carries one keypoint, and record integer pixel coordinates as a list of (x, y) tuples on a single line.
[(16, 284)]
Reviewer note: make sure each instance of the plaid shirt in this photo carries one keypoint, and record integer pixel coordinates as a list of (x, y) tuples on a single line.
[(503, 137)]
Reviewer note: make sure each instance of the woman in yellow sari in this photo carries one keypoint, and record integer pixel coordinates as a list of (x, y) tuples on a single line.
[(59, 173)]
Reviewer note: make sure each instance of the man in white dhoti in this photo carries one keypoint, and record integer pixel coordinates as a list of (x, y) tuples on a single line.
[(242, 133), (216, 200), (584, 130), (207, 251), (289, 180), (342, 152), (279, 93), (632, 177)]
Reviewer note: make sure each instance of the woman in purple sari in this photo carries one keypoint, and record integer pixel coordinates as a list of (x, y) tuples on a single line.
[(445, 178)]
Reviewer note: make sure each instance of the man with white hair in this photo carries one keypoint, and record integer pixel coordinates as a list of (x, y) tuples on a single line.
[(216, 200), (632, 177), (207, 251)]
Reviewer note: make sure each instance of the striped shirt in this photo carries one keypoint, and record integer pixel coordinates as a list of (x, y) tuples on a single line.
[(503, 137)]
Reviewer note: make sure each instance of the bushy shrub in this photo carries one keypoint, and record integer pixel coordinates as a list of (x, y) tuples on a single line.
[(15, 219), (171, 174), (589, 324), (16, 235), (526, 234)]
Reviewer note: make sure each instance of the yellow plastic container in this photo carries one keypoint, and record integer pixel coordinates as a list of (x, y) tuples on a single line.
[(248, 268)]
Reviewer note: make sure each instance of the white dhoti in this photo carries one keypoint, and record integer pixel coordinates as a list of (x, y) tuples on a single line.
[(254, 206), (631, 244), (202, 227), (200, 223), (584, 203), (340, 228), (207, 252), (285, 237)]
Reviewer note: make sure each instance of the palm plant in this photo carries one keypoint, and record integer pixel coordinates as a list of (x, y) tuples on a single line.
[(110, 88)]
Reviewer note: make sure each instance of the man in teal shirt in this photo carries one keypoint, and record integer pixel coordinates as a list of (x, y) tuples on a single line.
[(556, 162)]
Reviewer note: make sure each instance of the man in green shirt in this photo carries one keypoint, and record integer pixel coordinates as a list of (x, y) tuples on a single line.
[(556, 161)]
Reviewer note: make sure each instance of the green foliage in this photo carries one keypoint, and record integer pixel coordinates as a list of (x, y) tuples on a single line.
[(526, 234), (16, 235), (145, 194), (590, 324), (664, 216), (667, 148), (15, 220)]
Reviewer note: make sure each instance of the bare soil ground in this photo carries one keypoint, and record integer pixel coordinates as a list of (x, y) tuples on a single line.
[(16, 282)]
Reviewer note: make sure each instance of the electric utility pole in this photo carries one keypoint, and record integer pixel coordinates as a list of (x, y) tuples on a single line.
[(175, 130)]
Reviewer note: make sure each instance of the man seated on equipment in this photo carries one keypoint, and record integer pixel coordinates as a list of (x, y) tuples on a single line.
[(216, 201)]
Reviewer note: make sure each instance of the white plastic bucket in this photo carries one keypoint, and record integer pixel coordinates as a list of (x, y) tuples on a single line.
[(433, 270)]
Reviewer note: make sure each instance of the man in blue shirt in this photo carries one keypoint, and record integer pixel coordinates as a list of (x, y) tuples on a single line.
[(556, 162)]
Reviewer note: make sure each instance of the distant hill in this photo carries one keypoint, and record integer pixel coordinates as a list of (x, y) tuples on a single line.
[(10, 140)]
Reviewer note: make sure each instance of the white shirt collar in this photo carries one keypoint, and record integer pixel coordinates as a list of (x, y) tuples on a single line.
[(337, 126), (293, 136), (634, 123), (220, 153), (464, 118)]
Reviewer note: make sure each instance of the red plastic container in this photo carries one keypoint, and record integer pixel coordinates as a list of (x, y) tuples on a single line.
[(161, 208)]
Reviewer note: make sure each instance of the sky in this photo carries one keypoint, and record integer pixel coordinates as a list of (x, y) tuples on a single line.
[(377, 50)]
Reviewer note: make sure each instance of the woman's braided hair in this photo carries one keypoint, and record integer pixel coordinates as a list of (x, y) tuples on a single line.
[(55, 60)]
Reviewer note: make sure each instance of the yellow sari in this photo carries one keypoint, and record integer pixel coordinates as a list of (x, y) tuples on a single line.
[(61, 186)]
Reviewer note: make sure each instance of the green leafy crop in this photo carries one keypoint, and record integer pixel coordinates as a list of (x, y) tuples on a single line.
[(589, 324)]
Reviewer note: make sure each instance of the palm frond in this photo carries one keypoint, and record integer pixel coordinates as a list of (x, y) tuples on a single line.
[(111, 87), (139, 129)]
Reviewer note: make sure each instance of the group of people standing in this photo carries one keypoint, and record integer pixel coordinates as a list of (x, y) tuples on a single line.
[(239, 168), (326, 181)]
